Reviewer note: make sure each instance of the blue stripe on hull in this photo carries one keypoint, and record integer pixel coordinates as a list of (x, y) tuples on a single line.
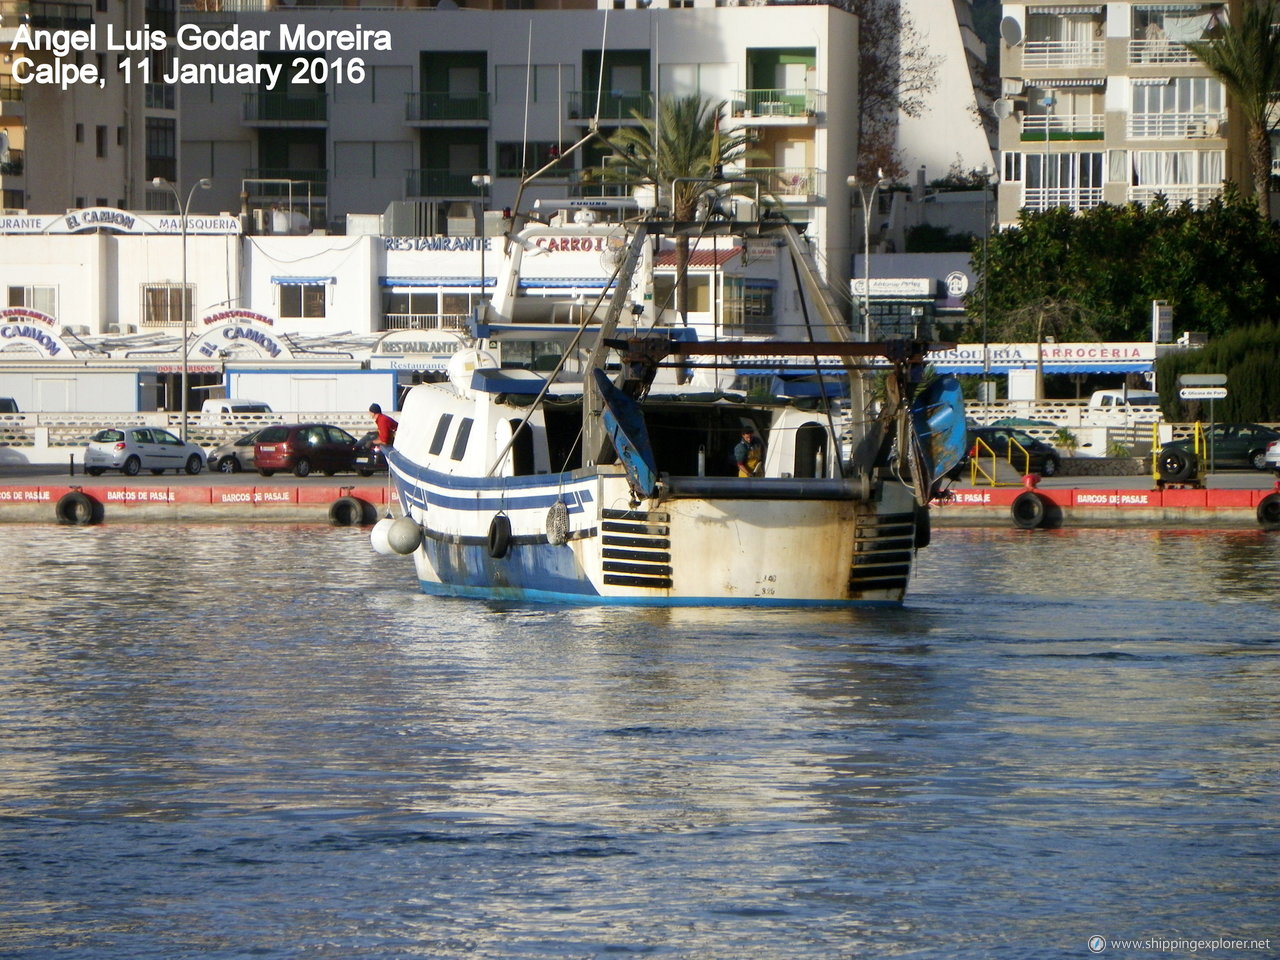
[(549, 596)]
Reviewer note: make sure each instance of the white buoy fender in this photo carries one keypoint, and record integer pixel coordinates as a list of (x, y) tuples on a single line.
[(404, 535), (379, 536)]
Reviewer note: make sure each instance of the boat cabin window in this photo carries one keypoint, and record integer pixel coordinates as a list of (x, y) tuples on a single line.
[(541, 355), (460, 441), (442, 429)]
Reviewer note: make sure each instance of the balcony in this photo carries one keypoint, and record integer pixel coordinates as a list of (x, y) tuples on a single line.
[(47, 16), (1158, 53), (1078, 126), (426, 107), (1176, 126), (280, 183), (15, 165), (780, 107), (437, 184), (282, 110), (1060, 54), (788, 184), (614, 104), (11, 103), (587, 183), (1199, 194), (1077, 198), (425, 321)]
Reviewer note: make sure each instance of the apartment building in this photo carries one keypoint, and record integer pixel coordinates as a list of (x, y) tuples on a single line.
[(75, 143), (1104, 103), (462, 94)]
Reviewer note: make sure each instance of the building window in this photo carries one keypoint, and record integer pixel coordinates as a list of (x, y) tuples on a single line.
[(162, 303), (302, 301), (101, 140), (162, 148), (1013, 168), (79, 133), (520, 159), (748, 306), (15, 199), (42, 298), (119, 136)]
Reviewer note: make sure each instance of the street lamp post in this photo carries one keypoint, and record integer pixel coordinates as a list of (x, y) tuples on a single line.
[(989, 184), (183, 208), (481, 182), (867, 199)]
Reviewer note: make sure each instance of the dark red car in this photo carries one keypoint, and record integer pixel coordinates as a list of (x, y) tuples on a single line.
[(303, 448)]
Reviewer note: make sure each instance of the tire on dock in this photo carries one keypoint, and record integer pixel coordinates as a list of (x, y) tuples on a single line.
[(352, 512), (1269, 511), (1032, 511), (77, 509)]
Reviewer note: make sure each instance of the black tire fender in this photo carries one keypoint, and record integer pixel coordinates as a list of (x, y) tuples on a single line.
[(78, 509), (351, 512), (1175, 466), (1269, 510), (499, 536), (1028, 510)]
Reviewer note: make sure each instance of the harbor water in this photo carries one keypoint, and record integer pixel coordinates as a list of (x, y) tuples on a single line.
[(263, 741)]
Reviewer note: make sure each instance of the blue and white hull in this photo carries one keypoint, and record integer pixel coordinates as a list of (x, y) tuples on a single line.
[(577, 538)]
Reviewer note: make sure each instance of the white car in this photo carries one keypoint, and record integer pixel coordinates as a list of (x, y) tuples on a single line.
[(1271, 457), (133, 449)]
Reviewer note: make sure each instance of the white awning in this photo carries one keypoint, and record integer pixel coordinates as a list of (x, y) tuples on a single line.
[(1064, 82), (1151, 81), (1066, 10)]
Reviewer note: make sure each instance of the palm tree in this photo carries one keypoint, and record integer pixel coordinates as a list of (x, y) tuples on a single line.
[(1246, 58), (681, 150)]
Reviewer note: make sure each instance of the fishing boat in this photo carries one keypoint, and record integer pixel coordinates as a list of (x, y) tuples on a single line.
[(575, 454)]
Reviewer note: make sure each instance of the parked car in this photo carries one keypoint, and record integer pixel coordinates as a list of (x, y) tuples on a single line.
[(369, 460), (1040, 457), (133, 449), (235, 455), (1271, 459), (303, 448), (1231, 444)]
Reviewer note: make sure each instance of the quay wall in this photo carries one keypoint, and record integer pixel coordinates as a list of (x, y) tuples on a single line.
[(123, 502), (155, 501)]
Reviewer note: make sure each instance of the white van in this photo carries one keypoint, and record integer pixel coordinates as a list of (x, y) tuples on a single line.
[(1109, 399), (227, 410)]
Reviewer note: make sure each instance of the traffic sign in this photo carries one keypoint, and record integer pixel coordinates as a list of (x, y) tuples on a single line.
[(1202, 393), (1202, 380)]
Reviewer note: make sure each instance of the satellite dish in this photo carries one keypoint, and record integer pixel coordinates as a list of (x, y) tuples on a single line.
[(1011, 31), (1002, 108)]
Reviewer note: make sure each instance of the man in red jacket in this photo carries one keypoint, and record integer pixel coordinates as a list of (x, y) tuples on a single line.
[(385, 425)]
